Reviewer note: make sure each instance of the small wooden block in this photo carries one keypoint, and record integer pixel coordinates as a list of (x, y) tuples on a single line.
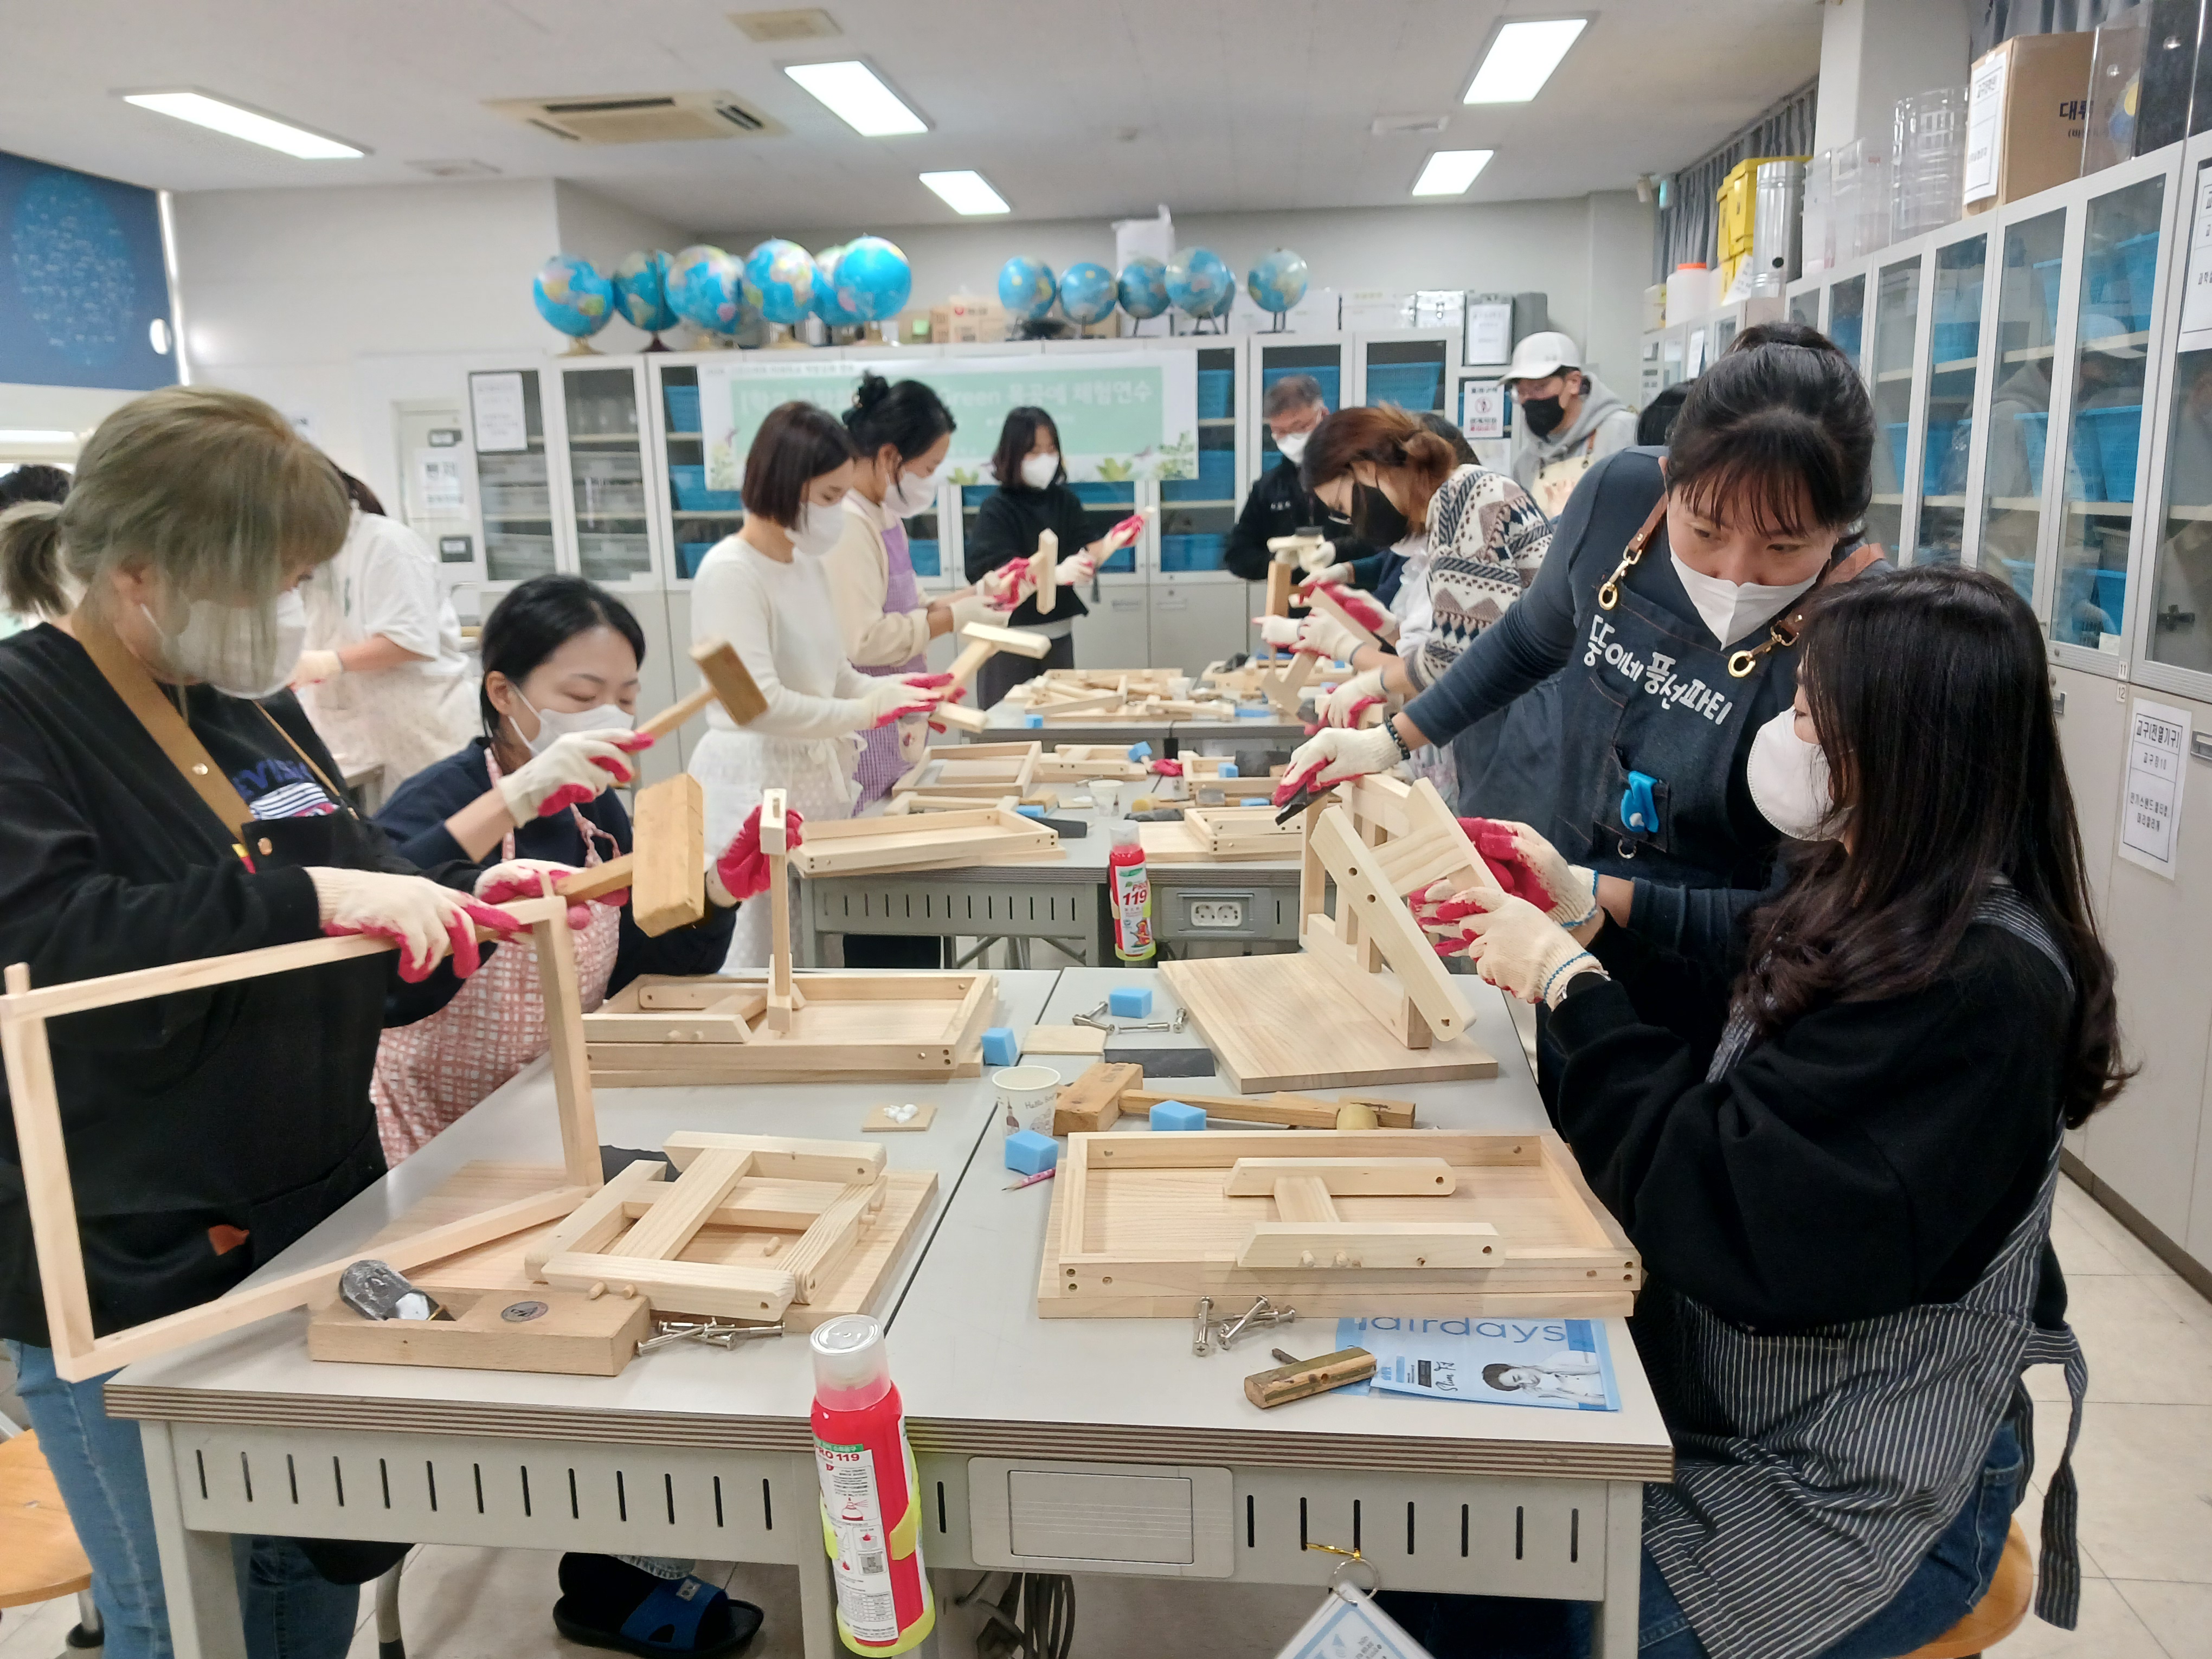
[(1064, 1040), (1044, 571), (878, 1121), (560, 1331), (670, 889), (1309, 1376), (1093, 1100)]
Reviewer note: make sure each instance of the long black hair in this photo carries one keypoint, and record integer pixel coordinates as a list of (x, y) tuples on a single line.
[(909, 417), (1016, 438), (536, 619), (1776, 434), (1931, 697)]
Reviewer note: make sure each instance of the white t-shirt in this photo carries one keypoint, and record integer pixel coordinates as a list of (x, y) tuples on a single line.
[(781, 622)]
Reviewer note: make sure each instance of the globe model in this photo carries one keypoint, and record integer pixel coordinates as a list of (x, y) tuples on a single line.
[(1144, 287), (573, 296), (779, 281), (1199, 279), (705, 289), (1277, 281), (1027, 287), (641, 290), (874, 279), (827, 305), (1087, 292)]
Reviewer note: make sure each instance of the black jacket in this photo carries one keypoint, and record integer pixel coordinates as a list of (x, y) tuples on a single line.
[(1007, 526), (1280, 506), (1871, 1156), (415, 817), (242, 1107)]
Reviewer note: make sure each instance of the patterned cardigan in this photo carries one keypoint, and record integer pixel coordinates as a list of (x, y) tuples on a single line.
[(1486, 537)]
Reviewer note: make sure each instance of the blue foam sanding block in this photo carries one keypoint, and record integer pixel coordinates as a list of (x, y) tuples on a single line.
[(1032, 721), (1259, 711), (1228, 769), (1140, 751), (1031, 811), (1174, 1115), (1130, 1001), (999, 1047), (1030, 1154)]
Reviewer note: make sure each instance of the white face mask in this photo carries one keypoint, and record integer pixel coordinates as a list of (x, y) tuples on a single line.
[(1293, 446), (1731, 610), (556, 723), (1038, 471), (911, 493), (1788, 780), (817, 529), (236, 650)]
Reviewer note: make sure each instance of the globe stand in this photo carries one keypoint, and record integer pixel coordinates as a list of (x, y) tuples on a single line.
[(579, 347), (657, 344), (1282, 323)]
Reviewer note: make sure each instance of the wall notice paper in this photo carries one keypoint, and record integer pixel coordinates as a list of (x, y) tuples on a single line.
[(1349, 1625), (1985, 119), (1489, 333), (495, 401), (2197, 293), (438, 486), (1562, 1363), (1482, 408), (2150, 811)]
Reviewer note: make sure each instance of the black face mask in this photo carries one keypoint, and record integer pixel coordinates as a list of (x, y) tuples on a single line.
[(1542, 414), (1375, 521)]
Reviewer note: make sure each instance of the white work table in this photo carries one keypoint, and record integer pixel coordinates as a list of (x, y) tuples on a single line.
[(689, 1451), (1438, 1495)]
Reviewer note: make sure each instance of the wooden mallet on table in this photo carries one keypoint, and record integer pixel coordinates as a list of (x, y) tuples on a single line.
[(984, 642)]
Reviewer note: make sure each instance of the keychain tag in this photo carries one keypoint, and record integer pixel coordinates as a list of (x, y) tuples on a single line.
[(1349, 1625)]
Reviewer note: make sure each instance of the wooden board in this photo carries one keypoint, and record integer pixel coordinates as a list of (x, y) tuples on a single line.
[(931, 841), (1283, 1021), (668, 889), (879, 1121), (1044, 571), (1291, 1111), (1142, 1226), (538, 1329), (1064, 1040)]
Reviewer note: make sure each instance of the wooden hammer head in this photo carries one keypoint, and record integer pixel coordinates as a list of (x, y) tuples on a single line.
[(719, 662)]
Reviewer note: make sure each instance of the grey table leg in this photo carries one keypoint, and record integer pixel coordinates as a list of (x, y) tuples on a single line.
[(1614, 1631), (197, 1577)]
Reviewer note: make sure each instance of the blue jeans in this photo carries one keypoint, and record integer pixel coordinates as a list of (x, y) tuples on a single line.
[(1942, 1590), (291, 1610)]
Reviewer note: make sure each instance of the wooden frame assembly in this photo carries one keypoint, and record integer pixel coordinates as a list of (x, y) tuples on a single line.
[(1332, 1222), (957, 833), (977, 771), (43, 1153), (1222, 834)]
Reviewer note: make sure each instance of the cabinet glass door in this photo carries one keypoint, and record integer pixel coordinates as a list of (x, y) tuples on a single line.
[(1670, 362), (606, 474), (2119, 275), (1806, 308), (2020, 400), (1895, 325), (513, 487), (1847, 319), (1196, 513), (2181, 579), (1278, 362), (701, 516), (1954, 337), (1407, 373)]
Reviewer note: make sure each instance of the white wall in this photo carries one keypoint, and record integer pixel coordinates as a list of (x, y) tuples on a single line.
[(595, 227), (283, 289), (1589, 255)]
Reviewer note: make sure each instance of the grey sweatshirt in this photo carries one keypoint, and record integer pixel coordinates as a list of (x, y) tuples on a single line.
[(1602, 413)]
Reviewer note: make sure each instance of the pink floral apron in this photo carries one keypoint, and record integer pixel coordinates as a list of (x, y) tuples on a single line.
[(888, 751), (430, 1074)]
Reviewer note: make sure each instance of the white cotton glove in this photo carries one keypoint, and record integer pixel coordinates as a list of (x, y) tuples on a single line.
[(1080, 569), (1281, 632), (1512, 944), (891, 698), (539, 879), (314, 667), (1335, 755), (1301, 552), (1324, 636), (424, 920), (1359, 702), (573, 770), (1571, 889), (1340, 574), (1008, 585)]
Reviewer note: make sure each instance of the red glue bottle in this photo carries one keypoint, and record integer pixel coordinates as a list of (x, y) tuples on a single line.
[(1133, 895), (870, 1509)]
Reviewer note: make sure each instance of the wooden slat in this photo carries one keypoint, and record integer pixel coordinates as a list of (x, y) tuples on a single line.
[(828, 1240), (1020, 641), (670, 891), (1370, 1246), (682, 1207), (1302, 1198), (1292, 1111), (42, 1150), (1044, 571), (1225, 1149), (1344, 1175), (1362, 887), (784, 1157), (599, 1219), (763, 1206), (694, 1287), (561, 994)]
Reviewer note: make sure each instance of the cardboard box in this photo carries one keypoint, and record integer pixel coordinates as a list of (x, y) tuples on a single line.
[(968, 320), (2026, 104)]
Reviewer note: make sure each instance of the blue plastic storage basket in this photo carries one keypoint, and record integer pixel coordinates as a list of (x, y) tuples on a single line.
[(692, 495), (1185, 553), (928, 557), (1216, 393), (682, 407), (1216, 480), (1410, 386), (2113, 434)]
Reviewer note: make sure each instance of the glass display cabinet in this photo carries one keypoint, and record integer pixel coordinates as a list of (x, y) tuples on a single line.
[(606, 473), (1897, 319), (1953, 354), (1847, 318), (2019, 423), (514, 492)]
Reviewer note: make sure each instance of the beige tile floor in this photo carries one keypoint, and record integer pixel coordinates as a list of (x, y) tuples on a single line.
[(2145, 1467)]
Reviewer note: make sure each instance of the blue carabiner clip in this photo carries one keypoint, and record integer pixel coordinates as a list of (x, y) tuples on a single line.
[(1639, 810)]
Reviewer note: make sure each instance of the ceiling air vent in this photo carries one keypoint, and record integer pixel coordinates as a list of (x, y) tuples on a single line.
[(639, 118), (777, 27)]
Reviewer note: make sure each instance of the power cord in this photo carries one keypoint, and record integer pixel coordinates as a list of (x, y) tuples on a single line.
[(1034, 1616)]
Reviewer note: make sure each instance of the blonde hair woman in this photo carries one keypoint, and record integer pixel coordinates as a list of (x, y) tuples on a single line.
[(157, 812)]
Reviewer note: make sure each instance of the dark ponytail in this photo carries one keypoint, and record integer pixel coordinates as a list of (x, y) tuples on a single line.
[(1778, 434), (910, 416)]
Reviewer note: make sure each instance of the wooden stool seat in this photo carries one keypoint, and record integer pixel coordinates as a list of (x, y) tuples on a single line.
[(1997, 1614), (40, 1556)]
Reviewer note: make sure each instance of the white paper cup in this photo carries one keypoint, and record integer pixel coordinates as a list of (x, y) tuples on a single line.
[(1026, 1097), (1106, 792)]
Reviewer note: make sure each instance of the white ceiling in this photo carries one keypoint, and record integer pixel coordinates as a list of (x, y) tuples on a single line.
[(1236, 105)]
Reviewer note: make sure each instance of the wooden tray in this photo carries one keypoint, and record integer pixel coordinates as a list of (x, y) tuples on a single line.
[(938, 839), (660, 1030), (1331, 1222), (983, 771)]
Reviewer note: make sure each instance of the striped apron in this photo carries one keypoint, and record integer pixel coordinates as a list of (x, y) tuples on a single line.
[(1815, 1470)]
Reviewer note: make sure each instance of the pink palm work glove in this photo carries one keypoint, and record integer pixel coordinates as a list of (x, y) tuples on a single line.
[(743, 867)]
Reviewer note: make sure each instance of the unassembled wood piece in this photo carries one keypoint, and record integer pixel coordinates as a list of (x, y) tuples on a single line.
[(1286, 683), (1331, 1222), (1096, 1099), (564, 1332), (659, 1031), (947, 840), (1280, 578), (1267, 1389), (43, 1155), (1222, 834), (1318, 599), (669, 885), (784, 1001), (1064, 1040), (1290, 1110), (1044, 571), (879, 1121)]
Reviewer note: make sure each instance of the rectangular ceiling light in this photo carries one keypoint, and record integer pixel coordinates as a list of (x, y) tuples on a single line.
[(34, 435), (857, 98), (1449, 171), (1522, 57), (966, 191), (202, 111)]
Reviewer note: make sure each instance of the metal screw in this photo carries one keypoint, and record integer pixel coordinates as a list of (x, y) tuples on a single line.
[(710, 1331), (1202, 1330)]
